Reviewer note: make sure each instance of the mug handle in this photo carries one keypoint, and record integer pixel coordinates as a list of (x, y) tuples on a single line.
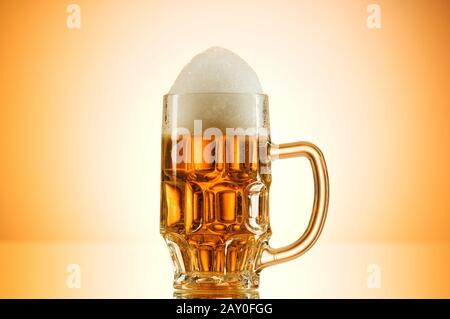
[(272, 256)]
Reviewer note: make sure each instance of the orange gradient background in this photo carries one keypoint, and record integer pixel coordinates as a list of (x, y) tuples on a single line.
[(80, 118)]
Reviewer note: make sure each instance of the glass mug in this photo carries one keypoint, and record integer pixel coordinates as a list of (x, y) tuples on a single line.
[(215, 182)]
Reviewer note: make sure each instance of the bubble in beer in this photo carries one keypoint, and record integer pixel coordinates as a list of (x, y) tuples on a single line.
[(217, 70)]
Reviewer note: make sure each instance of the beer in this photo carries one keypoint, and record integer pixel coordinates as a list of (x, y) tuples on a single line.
[(214, 213), (215, 178)]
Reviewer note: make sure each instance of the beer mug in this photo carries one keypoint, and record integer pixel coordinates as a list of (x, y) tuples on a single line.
[(215, 181)]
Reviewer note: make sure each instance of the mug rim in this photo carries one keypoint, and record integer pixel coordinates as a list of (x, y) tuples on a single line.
[(215, 93)]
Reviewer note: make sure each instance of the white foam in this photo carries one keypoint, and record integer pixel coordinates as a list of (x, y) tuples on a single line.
[(217, 70)]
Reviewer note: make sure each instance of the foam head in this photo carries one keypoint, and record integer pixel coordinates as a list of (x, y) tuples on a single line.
[(217, 70)]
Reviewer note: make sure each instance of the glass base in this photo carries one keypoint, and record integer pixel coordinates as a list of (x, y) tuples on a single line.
[(211, 281), (216, 294)]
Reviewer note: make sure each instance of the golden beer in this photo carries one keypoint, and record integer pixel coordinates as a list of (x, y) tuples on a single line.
[(214, 216), (215, 190)]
